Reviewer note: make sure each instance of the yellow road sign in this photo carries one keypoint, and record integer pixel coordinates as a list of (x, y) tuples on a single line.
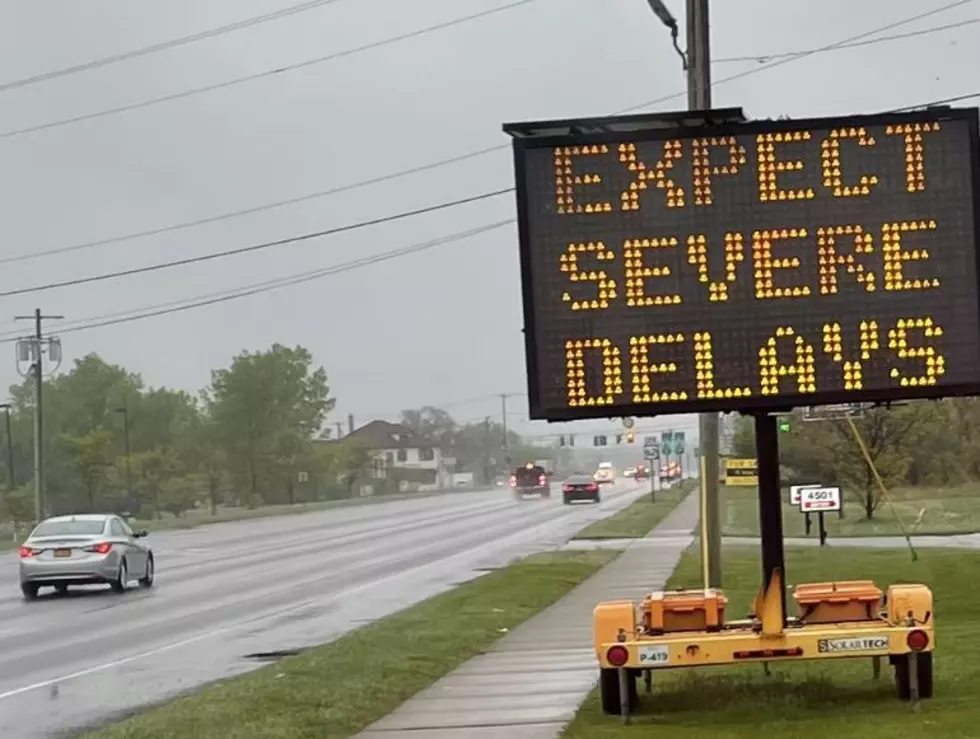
[(742, 472)]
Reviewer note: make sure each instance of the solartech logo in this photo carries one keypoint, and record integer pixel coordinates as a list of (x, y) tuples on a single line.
[(862, 644)]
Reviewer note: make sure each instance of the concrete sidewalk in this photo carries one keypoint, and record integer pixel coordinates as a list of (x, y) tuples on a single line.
[(532, 681)]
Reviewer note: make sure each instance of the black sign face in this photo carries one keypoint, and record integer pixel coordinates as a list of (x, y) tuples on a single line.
[(751, 266)]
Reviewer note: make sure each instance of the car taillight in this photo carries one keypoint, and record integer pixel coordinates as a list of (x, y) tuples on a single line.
[(103, 547), (917, 640), (567, 488), (617, 656), (543, 480), (513, 482), (28, 552), (591, 487)]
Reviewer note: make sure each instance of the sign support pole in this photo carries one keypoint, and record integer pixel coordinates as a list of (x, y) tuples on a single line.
[(770, 503), (823, 529), (699, 98)]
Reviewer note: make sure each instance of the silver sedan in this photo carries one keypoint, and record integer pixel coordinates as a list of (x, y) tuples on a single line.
[(85, 549)]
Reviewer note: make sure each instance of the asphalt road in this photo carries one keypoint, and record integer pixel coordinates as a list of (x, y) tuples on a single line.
[(230, 590)]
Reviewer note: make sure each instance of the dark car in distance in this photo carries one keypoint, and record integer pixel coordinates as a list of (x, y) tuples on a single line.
[(580, 487), (531, 479)]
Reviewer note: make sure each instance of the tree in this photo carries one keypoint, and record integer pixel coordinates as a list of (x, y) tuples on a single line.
[(353, 462), (261, 405), (91, 456), (431, 423), (153, 471)]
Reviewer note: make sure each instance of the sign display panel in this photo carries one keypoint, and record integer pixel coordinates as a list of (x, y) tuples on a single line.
[(794, 493), (749, 266), (816, 500), (742, 472)]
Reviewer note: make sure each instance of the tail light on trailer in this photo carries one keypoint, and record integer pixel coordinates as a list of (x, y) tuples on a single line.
[(917, 640), (617, 655), (103, 547)]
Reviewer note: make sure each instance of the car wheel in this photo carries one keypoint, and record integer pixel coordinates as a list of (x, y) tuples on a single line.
[(119, 584), (29, 590), (598, 499), (147, 580), (565, 500)]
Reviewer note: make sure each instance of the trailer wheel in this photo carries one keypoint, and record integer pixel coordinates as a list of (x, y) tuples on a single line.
[(609, 692), (903, 684)]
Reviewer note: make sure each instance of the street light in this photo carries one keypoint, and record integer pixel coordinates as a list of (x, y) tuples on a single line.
[(129, 470), (660, 10), (11, 479)]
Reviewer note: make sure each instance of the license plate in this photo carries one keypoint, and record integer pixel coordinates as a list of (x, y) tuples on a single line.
[(62, 552)]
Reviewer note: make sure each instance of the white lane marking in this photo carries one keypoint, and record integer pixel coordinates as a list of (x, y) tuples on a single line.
[(295, 607)]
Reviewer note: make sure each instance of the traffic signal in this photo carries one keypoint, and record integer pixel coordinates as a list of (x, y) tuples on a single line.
[(630, 436), (561, 441), (599, 441), (619, 438), (571, 440)]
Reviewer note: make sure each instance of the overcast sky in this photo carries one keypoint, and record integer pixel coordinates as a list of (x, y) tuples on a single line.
[(430, 328)]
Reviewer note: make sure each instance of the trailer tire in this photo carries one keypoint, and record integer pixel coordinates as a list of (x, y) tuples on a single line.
[(609, 692), (903, 684)]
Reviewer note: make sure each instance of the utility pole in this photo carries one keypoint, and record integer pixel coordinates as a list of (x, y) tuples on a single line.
[(697, 63), (11, 476), (503, 420), (32, 349), (124, 410), (699, 98)]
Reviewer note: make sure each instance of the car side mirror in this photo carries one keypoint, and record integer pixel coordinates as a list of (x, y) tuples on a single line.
[(141, 534)]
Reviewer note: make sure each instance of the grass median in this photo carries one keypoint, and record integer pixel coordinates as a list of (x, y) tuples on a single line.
[(336, 690), (639, 518), (922, 510), (812, 698)]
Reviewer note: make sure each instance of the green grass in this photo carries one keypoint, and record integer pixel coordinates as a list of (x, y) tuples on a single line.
[(922, 510), (227, 514), (808, 700), (338, 689), (639, 518)]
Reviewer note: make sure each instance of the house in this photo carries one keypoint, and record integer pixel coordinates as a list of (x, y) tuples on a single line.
[(399, 454)]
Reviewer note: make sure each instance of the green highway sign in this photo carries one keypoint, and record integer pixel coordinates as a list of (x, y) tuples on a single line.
[(666, 443), (678, 443)]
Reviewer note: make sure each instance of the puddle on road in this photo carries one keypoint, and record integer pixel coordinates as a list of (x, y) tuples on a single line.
[(274, 656)]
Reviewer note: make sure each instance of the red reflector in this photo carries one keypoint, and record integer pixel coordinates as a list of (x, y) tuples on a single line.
[(28, 552), (103, 547), (617, 656), (917, 640)]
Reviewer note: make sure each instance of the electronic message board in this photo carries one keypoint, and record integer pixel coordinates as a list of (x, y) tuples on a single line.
[(748, 266)]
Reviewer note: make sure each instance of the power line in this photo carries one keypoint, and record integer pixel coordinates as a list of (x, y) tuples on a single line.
[(255, 247), (765, 58), (260, 75), (112, 319), (162, 46), (256, 288), (412, 170), (808, 53)]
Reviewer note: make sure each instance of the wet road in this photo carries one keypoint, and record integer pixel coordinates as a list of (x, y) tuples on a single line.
[(229, 590)]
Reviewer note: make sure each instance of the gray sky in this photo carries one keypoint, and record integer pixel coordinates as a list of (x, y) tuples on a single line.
[(431, 328)]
